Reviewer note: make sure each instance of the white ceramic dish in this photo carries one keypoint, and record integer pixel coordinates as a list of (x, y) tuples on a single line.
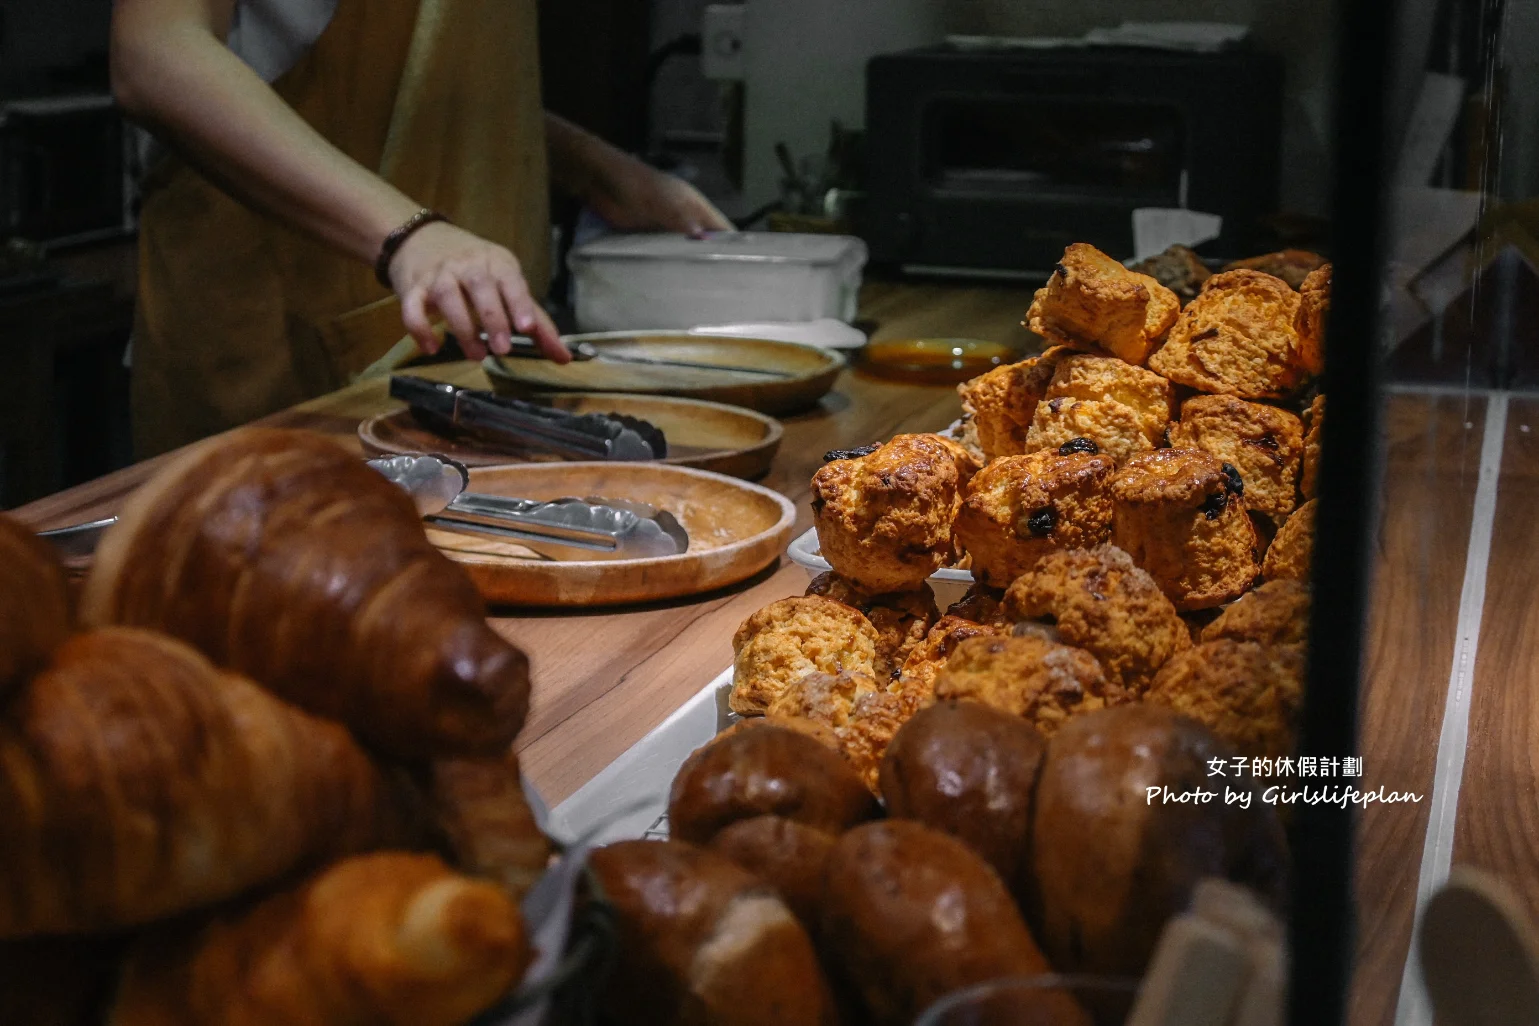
[(949, 585)]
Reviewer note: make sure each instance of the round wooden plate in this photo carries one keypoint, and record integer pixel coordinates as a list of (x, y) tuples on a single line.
[(812, 370), (735, 530), (706, 436)]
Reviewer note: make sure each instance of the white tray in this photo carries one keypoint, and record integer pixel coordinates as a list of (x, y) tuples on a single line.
[(949, 585), (629, 797)]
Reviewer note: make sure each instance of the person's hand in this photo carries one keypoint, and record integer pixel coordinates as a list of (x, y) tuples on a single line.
[(476, 286), (634, 196)]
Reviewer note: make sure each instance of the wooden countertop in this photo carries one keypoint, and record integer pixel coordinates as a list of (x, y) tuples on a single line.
[(606, 677)]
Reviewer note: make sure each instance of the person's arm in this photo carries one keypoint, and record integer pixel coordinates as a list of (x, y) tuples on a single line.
[(171, 71), (626, 192)]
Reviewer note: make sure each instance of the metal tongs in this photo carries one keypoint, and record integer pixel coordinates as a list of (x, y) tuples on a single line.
[(517, 424), (565, 529)]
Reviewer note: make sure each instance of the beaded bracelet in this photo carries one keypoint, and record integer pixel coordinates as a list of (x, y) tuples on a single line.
[(395, 239)]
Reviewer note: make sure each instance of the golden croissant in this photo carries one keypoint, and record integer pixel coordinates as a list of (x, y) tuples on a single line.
[(478, 806), (138, 781), (34, 604), (284, 558), (389, 939)]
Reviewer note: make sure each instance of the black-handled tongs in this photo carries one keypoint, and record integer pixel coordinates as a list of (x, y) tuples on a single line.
[(516, 424)]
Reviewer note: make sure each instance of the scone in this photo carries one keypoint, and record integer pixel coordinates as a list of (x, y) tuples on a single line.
[(786, 640), (884, 519), (1020, 508), (1179, 269), (980, 605), (1291, 265), (1237, 338), (825, 698), (1276, 613), (1038, 680), (1314, 419), (1247, 693), (999, 404), (1098, 600), (1264, 443), (1309, 322), (1179, 513), (919, 672), (1116, 429), (1093, 302), (901, 618), (1291, 552), (873, 723), (1106, 378)]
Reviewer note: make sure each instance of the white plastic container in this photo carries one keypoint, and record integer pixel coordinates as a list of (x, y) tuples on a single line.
[(949, 585), (645, 282)]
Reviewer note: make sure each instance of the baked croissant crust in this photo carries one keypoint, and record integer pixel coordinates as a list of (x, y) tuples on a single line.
[(34, 604), (479, 807), (389, 939), (284, 558), (138, 781)]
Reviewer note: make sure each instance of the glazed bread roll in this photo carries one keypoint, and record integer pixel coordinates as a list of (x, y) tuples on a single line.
[(787, 855), (969, 770), (1110, 864), (703, 942), (912, 914), (765, 771), (34, 604)]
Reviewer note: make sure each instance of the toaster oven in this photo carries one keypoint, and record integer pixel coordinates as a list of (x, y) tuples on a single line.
[(995, 160), (65, 172)]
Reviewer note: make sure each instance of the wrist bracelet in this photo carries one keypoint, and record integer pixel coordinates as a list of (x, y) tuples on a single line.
[(395, 239)]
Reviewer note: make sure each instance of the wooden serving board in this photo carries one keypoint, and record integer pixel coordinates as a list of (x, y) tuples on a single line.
[(735, 530), (704, 435), (811, 370)]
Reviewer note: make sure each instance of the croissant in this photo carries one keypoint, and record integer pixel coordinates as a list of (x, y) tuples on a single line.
[(480, 809), (137, 781), (388, 938), (285, 559), (34, 604)]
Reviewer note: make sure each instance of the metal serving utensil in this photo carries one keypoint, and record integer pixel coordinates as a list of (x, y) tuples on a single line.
[(562, 529)]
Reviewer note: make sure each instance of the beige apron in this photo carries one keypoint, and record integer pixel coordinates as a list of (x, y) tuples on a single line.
[(239, 316)]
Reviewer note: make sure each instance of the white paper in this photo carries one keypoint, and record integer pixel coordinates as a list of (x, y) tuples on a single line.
[(1190, 36), (1156, 229)]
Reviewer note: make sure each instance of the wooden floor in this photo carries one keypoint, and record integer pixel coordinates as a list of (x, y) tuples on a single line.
[(605, 677)]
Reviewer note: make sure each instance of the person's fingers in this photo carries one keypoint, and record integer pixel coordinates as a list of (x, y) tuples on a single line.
[(451, 303), (709, 218), (493, 315), (415, 319), (548, 338), (531, 320)]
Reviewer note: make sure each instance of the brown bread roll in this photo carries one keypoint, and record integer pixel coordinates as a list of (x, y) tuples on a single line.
[(787, 855), (912, 914), (703, 942), (765, 771), (967, 769), (1110, 864)]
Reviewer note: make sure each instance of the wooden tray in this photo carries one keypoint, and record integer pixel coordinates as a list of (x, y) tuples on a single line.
[(735, 530), (706, 436), (813, 370)]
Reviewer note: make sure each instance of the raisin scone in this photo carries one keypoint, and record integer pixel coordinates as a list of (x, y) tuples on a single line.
[(1115, 428), (1264, 443), (1276, 613), (1236, 338), (1099, 600), (998, 405), (924, 663), (1291, 552), (1039, 680), (901, 618), (1180, 514), (1092, 302), (1314, 418), (1179, 269), (1108, 379), (1247, 693), (1309, 322), (1020, 508), (1291, 265), (789, 639), (884, 519)]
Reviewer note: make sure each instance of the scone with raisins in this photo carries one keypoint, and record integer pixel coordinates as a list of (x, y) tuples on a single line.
[(1092, 302), (1309, 322), (1093, 378), (1179, 513), (999, 404), (1264, 443), (1293, 266), (1099, 600), (1314, 420), (901, 618), (884, 519), (785, 641), (1291, 552), (1276, 613), (924, 663), (1029, 676), (1247, 693), (1236, 338), (1115, 428), (1020, 508)]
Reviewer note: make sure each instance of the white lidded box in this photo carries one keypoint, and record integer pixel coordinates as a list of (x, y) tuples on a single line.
[(665, 281)]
